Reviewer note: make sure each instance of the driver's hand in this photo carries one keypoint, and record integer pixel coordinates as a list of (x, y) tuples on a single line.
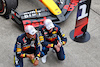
[(58, 44), (57, 48), (36, 62), (30, 56)]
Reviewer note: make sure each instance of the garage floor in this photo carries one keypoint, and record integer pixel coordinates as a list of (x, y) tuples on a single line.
[(77, 54)]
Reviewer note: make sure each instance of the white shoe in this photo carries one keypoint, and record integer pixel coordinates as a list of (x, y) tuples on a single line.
[(44, 59)]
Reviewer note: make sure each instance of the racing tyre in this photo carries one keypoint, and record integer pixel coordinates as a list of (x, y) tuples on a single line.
[(6, 6)]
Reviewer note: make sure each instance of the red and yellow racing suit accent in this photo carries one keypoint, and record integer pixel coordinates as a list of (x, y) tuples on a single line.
[(23, 44), (50, 39)]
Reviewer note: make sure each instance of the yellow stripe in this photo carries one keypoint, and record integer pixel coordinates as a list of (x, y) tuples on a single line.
[(28, 47), (24, 48), (14, 59), (51, 45), (19, 49), (54, 32), (38, 54), (64, 42), (38, 43), (41, 37), (63, 35), (23, 55), (36, 11)]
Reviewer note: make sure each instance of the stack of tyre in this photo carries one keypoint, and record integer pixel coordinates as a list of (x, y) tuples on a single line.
[(6, 6)]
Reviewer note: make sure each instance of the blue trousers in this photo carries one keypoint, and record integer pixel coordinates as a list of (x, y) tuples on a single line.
[(60, 54)]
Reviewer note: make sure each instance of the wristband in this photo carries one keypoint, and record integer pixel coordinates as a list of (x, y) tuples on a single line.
[(37, 58)]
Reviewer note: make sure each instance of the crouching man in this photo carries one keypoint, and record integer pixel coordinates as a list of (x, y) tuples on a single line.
[(27, 45), (48, 36)]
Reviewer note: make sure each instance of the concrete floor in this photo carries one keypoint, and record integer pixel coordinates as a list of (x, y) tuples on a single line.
[(77, 54)]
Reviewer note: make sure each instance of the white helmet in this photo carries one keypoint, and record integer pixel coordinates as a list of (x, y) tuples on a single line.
[(30, 29), (48, 24)]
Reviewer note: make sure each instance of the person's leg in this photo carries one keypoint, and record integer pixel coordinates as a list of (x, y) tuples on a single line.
[(44, 51), (18, 61), (44, 54), (31, 50), (61, 54)]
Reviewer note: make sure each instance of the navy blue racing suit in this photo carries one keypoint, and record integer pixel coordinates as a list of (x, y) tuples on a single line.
[(24, 46), (48, 40)]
